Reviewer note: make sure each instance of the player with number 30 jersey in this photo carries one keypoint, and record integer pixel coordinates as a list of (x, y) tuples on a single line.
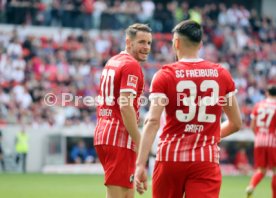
[(117, 136), (122, 73)]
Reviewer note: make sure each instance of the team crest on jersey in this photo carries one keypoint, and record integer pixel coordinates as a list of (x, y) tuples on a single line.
[(131, 178), (132, 80)]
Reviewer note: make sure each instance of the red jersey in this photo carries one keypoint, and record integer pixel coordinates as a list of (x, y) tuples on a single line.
[(264, 114), (196, 90), (122, 73)]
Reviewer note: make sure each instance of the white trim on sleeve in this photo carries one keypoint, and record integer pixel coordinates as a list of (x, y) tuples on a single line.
[(157, 95), (128, 90), (232, 93)]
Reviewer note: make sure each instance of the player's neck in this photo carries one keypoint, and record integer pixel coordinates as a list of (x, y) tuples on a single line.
[(187, 56), (125, 52), (129, 53), (187, 53)]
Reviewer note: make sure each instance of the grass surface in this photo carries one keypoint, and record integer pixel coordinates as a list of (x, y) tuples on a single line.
[(91, 186)]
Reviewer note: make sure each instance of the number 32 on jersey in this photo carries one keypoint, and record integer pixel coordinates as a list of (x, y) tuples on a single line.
[(203, 102)]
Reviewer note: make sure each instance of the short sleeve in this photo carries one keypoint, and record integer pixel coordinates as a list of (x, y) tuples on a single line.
[(131, 76), (254, 112), (230, 84), (158, 85)]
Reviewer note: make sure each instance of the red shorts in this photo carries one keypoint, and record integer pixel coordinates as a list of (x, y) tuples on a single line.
[(265, 157), (118, 164), (195, 179)]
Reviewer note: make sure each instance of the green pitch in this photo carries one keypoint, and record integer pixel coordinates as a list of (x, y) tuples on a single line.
[(91, 186)]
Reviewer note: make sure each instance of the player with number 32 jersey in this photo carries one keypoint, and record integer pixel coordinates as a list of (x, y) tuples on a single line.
[(192, 92), (193, 113)]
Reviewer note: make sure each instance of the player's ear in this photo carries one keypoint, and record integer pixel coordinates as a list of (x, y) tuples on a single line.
[(176, 43), (128, 42)]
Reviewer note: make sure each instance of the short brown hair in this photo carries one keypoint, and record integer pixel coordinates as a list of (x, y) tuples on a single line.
[(132, 30)]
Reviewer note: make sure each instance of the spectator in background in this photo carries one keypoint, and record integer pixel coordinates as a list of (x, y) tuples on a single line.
[(195, 14), (263, 124), (22, 148), (99, 7), (80, 154), (1, 153), (148, 8)]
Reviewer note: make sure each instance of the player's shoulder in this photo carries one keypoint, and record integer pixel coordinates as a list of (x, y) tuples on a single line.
[(127, 59), (170, 67), (214, 65), (223, 72), (269, 102), (188, 65), (165, 71), (261, 103), (122, 59)]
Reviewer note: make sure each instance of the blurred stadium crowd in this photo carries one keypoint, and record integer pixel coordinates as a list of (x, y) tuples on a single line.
[(32, 66)]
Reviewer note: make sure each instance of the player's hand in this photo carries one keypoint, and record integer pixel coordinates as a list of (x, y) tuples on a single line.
[(141, 177)]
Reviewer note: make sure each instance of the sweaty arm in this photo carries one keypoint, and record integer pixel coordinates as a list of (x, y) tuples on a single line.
[(129, 116), (234, 121), (253, 123), (150, 129)]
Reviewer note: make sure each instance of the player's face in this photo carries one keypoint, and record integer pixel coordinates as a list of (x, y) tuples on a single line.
[(140, 46)]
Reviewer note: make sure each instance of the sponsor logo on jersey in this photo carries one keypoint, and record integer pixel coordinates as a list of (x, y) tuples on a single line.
[(132, 81)]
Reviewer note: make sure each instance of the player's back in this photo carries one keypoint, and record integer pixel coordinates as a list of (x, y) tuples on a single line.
[(121, 73), (196, 92), (264, 113)]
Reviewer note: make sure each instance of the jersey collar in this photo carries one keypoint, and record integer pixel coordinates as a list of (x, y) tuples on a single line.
[(271, 100), (124, 52), (189, 60)]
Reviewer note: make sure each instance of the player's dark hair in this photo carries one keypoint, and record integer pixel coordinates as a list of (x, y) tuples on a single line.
[(132, 30), (189, 29), (271, 90)]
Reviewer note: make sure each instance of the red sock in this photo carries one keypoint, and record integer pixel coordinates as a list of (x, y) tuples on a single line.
[(256, 178), (273, 185)]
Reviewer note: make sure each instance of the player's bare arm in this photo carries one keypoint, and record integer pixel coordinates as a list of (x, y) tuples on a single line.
[(233, 114), (129, 116), (253, 124), (151, 127)]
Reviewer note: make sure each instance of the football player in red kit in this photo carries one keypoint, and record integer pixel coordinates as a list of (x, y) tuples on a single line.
[(263, 124), (116, 134), (193, 93)]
